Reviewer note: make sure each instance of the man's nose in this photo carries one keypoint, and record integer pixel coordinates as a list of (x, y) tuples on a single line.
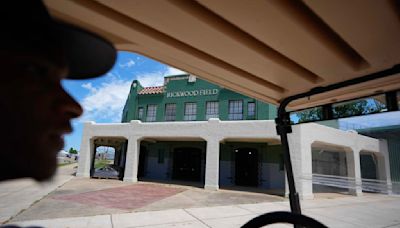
[(69, 107)]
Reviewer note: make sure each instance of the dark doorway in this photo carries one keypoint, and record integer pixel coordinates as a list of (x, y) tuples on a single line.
[(142, 161), (368, 166), (187, 164), (246, 167)]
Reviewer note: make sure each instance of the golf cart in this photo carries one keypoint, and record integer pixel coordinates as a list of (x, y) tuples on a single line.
[(295, 54)]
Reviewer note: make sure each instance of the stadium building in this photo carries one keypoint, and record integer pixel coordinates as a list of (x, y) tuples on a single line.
[(192, 131)]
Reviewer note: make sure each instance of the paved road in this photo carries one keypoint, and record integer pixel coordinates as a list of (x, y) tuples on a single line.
[(87, 203), (366, 211), (18, 195), (87, 197)]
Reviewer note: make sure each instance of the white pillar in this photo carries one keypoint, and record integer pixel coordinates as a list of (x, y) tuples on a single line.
[(383, 165), (86, 152), (132, 159), (301, 156), (212, 164), (286, 185), (354, 170)]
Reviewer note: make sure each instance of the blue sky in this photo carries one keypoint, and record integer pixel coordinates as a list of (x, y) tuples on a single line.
[(103, 98)]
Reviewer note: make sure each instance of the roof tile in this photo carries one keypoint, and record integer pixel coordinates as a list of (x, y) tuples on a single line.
[(152, 90)]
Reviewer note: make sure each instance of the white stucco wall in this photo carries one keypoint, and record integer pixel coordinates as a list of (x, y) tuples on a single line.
[(215, 131)]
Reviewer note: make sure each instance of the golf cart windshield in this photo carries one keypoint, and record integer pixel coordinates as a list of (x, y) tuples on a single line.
[(300, 55)]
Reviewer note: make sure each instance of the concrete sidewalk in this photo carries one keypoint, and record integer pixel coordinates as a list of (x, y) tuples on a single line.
[(18, 195), (81, 197), (367, 211), (190, 208)]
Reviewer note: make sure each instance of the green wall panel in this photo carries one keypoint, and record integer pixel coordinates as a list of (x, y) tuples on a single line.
[(394, 158), (199, 92)]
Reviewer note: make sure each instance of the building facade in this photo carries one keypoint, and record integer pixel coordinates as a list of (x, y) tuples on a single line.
[(193, 131), (187, 98), (392, 135)]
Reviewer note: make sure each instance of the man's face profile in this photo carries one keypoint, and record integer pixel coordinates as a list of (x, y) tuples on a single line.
[(36, 53), (37, 112)]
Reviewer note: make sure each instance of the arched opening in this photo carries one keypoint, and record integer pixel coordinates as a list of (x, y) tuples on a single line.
[(109, 158), (330, 169)]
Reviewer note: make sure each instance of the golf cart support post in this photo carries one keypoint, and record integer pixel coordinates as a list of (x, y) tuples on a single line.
[(284, 126)]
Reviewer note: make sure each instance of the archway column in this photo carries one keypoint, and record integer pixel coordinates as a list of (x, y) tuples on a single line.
[(212, 164), (354, 170), (301, 157), (132, 159), (383, 165), (86, 152)]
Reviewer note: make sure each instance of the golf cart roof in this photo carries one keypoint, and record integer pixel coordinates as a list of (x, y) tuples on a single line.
[(268, 50)]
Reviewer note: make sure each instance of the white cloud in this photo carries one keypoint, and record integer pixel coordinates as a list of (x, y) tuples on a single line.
[(89, 87), (128, 64), (104, 103), (173, 71), (151, 79), (113, 75), (157, 78)]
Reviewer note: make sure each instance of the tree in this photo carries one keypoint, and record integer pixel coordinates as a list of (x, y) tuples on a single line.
[(351, 109), (342, 110), (312, 114), (72, 151)]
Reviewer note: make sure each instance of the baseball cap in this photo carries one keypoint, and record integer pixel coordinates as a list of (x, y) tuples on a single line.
[(28, 25)]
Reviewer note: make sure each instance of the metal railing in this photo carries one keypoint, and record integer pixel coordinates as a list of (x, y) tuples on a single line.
[(334, 181), (367, 185), (372, 185)]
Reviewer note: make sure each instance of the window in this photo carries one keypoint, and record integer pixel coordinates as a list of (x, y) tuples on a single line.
[(170, 112), (235, 110), (190, 111), (251, 110), (306, 115), (211, 109), (364, 106), (140, 113), (151, 113)]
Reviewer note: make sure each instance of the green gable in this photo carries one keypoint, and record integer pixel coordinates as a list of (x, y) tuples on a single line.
[(182, 89)]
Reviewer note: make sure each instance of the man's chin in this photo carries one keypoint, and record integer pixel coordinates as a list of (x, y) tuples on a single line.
[(46, 170), (44, 175), (38, 175)]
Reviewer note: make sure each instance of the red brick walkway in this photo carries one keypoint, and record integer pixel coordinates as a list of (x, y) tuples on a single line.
[(128, 197)]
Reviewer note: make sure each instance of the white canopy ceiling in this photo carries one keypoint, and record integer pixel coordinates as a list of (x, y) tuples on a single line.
[(265, 49)]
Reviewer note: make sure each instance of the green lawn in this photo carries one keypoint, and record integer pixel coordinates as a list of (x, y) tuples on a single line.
[(100, 163), (63, 164)]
